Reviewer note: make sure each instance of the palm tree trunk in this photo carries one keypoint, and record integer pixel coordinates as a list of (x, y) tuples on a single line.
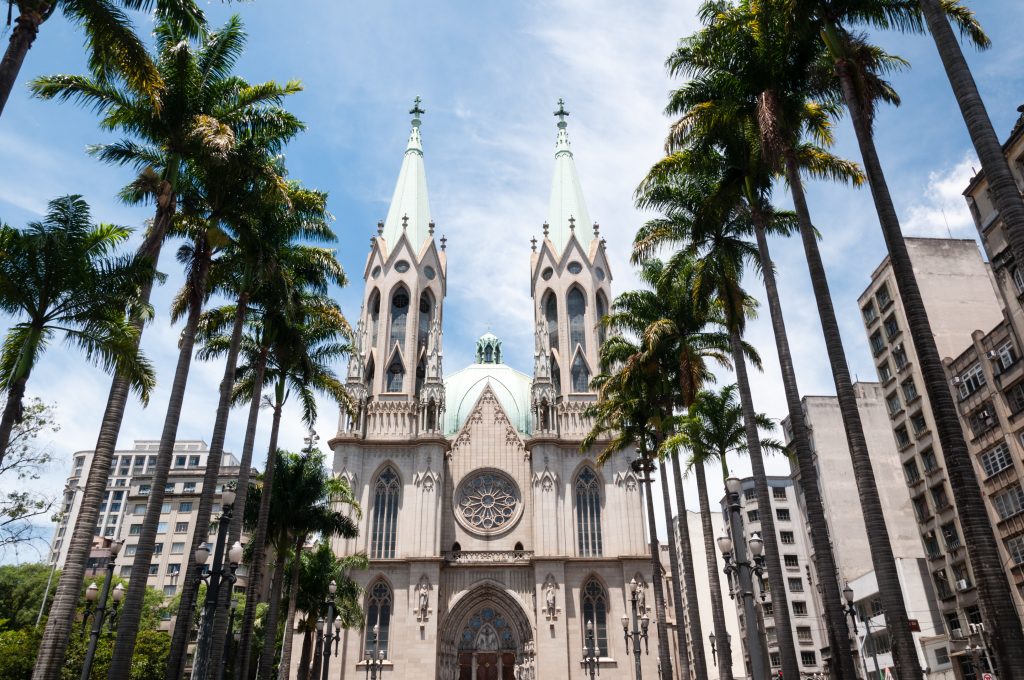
[(289, 620), (677, 579), (12, 413), (981, 543), (318, 656), (664, 654), (131, 609), (824, 559), (266, 668), (259, 542), (979, 126), (179, 641), (700, 663), (724, 646), (26, 28), (776, 577), (54, 644), (304, 654), (245, 466)]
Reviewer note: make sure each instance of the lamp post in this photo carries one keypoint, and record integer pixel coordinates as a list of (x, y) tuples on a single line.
[(328, 636), (639, 628), (714, 649), (741, 572), (213, 575), (226, 660), (979, 649), (851, 611), (374, 656), (591, 661), (98, 612)]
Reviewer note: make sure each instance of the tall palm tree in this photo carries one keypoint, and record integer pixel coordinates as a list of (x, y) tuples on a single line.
[(859, 67), (113, 45), (62, 277)]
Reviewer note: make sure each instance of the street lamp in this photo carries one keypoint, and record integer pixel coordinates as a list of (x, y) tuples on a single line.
[(639, 628), (98, 611), (213, 576), (226, 660), (326, 636), (714, 650), (741, 572), (374, 656), (851, 611), (591, 661)]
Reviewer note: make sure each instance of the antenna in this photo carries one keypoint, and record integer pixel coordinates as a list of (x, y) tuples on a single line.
[(948, 232)]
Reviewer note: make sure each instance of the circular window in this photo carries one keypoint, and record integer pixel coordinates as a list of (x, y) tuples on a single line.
[(376, 272), (429, 271), (488, 502), (547, 273), (402, 266), (575, 267), (600, 274)]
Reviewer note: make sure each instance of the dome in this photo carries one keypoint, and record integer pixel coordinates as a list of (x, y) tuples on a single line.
[(463, 388)]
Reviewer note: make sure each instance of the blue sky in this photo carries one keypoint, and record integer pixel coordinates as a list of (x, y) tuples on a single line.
[(489, 74)]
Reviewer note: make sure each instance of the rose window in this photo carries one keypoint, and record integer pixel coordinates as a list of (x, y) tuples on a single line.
[(488, 502)]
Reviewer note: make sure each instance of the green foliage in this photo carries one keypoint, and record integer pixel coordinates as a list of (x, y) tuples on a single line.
[(25, 461), (21, 593), (18, 652)]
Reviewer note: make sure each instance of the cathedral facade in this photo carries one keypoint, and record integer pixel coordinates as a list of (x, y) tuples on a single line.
[(492, 538)]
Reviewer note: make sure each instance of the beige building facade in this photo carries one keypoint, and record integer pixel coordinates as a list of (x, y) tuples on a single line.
[(492, 538)]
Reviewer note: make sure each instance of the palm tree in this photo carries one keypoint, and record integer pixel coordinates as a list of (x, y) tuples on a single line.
[(715, 428), (114, 47), (61, 276), (858, 67)]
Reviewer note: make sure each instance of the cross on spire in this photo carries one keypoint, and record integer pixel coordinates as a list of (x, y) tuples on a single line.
[(561, 113), (416, 111)]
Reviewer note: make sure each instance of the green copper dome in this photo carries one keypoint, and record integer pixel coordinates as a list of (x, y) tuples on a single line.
[(463, 388)]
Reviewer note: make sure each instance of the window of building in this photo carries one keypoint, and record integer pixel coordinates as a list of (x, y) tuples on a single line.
[(1015, 546), (395, 375), (139, 509), (580, 374), (892, 329), (869, 312), (782, 514), (109, 532), (595, 608), (1015, 397), (165, 508), (771, 635), (135, 530), (387, 492), (909, 390), (177, 548), (193, 461), (899, 357), (161, 528), (154, 569), (893, 403), (130, 550), (808, 658), (796, 585), (750, 494), (1018, 279), (996, 459), (803, 634), (179, 461), (961, 575), (126, 571), (378, 614), (878, 643), (971, 380), (942, 583), (982, 419), (589, 539), (423, 321), (1005, 356), (173, 568), (786, 538), (766, 608), (189, 487), (775, 659), (917, 421), (877, 343), (902, 437), (911, 472), (576, 306), (931, 545), (883, 297), (181, 527), (779, 493), (799, 608), (602, 312), (185, 506), (941, 656), (399, 314), (929, 460), (921, 509), (884, 372), (551, 316), (939, 497), (752, 515), (170, 591), (1009, 502), (791, 560), (951, 536), (953, 624), (158, 548)]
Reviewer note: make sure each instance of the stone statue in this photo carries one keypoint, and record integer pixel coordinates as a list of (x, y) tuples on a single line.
[(424, 599), (487, 640), (641, 598), (549, 599)]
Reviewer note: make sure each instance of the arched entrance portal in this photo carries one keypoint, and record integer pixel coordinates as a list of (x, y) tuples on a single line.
[(484, 636)]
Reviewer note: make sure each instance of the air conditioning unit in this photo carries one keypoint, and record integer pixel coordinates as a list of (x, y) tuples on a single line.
[(985, 414), (962, 585), (957, 634), (992, 354), (898, 347), (957, 380)]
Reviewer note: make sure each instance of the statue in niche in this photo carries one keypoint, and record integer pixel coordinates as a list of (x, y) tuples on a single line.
[(641, 598), (549, 599), (423, 599)]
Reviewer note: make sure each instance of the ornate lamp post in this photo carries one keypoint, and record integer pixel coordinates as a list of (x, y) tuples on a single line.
[(591, 660), (374, 656), (226, 660), (714, 650), (213, 576), (98, 611), (851, 611), (328, 636), (741, 572), (638, 632)]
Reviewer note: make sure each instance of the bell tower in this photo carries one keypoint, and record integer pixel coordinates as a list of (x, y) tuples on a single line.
[(570, 283), (395, 371)]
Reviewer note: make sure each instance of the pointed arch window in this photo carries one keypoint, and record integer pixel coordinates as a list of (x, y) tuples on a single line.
[(425, 317), (374, 317), (580, 374), (602, 311), (396, 375), (556, 376), (378, 615), (421, 374), (386, 495), (588, 514), (577, 306), (551, 318), (370, 370), (595, 608), (399, 315)]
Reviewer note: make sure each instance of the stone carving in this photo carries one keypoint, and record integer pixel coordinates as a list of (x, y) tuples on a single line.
[(546, 480), (551, 608), (423, 599), (488, 556), (488, 502), (628, 480), (487, 640)]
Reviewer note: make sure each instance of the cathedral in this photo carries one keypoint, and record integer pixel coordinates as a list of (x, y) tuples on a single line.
[(493, 540)]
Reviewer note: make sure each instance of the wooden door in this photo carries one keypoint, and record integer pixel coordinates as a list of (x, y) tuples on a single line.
[(508, 666), (465, 667), (486, 666)]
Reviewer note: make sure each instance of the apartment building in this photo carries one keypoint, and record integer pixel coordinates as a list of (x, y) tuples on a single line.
[(843, 512), (808, 631)]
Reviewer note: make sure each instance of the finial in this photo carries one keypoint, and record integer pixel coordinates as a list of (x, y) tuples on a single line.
[(546, 230), (416, 111), (444, 242), (561, 113), (430, 227), (572, 224), (533, 244), (380, 227), (372, 239), (405, 222), (597, 229)]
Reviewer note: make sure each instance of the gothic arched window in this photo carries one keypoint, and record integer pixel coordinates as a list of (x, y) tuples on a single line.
[(580, 374), (395, 376), (602, 311), (374, 309), (556, 376), (399, 314), (595, 608), (386, 495), (423, 328), (551, 317), (577, 306), (588, 514), (378, 619)]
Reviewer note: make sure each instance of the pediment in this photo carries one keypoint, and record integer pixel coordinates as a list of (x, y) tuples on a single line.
[(487, 420)]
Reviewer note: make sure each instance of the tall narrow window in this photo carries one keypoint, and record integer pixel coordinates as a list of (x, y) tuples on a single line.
[(378, 620), (385, 515), (421, 373), (556, 376), (374, 317), (577, 306), (551, 316), (595, 609), (423, 328), (369, 373), (399, 314), (396, 375), (580, 374), (588, 514), (602, 311)]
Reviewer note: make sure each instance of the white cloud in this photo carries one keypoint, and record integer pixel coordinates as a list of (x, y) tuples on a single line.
[(943, 212)]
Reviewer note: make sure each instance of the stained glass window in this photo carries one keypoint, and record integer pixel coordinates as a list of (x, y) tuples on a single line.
[(387, 492), (588, 514)]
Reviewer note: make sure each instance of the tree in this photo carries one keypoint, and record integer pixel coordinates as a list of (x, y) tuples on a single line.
[(114, 47), (26, 460), (22, 588), (62, 277)]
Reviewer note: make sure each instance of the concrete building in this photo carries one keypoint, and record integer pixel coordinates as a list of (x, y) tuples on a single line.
[(806, 617), (849, 539), (492, 538)]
